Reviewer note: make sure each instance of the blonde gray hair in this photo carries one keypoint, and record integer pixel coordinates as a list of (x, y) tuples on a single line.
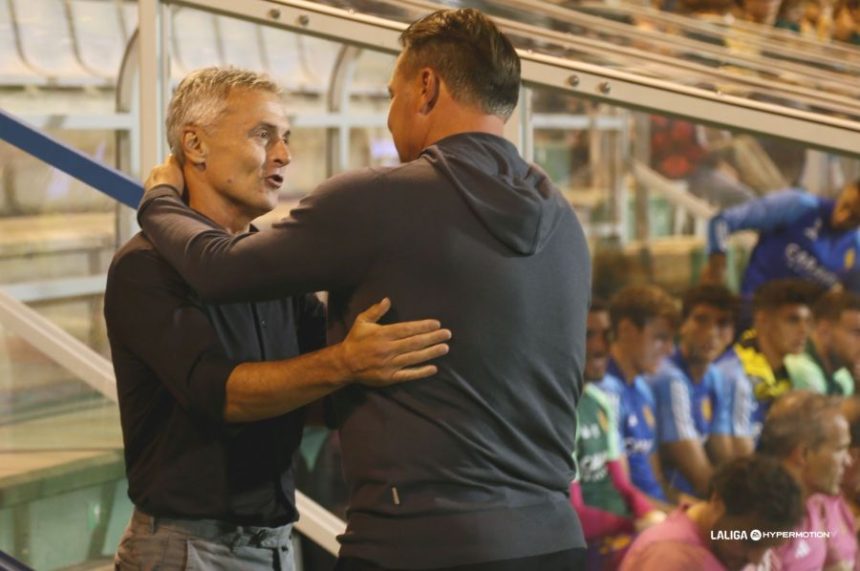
[(201, 97)]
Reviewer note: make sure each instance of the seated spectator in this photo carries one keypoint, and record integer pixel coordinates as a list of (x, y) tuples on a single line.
[(754, 370), (693, 408), (833, 351), (846, 21), (610, 508), (643, 318), (800, 236), (747, 494), (758, 11), (675, 147), (806, 17), (851, 479), (807, 433)]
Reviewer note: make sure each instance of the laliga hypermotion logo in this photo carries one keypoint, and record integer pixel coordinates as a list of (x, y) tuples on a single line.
[(757, 535)]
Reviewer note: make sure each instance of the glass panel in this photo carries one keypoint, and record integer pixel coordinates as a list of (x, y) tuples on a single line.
[(645, 185), (61, 465)]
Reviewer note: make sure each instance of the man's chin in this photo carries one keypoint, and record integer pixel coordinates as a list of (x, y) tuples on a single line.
[(594, 376)]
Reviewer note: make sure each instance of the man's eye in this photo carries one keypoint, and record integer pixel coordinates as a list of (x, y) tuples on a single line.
[(263, 134)]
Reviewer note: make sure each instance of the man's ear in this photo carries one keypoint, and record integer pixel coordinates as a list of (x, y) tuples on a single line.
[(824, 331), (626, 329), (430, 89), (194, 147), (797, 457)]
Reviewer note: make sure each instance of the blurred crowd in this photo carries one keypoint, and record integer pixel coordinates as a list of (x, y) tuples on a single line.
[(824, 20), (722, 430)]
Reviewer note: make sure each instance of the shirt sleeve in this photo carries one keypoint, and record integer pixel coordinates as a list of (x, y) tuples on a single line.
[(763, 215), (321, 245), (674, 415), (613, 401), (150, 314), (742, 402), (613, 436), (721, 422), (597, 523), (805, 374)]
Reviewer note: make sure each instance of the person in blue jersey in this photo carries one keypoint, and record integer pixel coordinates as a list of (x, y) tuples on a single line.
[(832, 356), (643, 319), (800, 236), (754, 370), (610, 508), (693, 408)]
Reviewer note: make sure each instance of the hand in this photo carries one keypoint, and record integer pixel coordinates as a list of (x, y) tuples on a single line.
[(651, 518), (169, 172), (715, 270), (381, 355)]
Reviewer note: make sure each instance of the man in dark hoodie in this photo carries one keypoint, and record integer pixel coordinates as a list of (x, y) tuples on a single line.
[(469, 469)]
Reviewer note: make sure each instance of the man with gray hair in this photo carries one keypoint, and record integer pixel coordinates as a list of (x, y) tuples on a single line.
[(807, 433), (211, 396), (470, 469)]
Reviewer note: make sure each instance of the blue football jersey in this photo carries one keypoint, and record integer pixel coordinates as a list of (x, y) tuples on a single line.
[(795, 240), (635, 412), (688, 410)]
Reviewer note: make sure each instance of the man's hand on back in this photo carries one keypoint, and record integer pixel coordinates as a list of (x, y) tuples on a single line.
[(380, 355)]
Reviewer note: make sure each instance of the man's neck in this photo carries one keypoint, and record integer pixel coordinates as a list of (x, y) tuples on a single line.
[(825, 359), (774, 358), (225, 214), (695, 367), (460, 121), (624, 363), (796, 473)]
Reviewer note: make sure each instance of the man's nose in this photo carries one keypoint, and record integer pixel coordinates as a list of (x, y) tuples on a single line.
[(281, 153)]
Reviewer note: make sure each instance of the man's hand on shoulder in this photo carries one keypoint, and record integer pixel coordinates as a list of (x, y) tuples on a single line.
[(381, 355), (167, 173)]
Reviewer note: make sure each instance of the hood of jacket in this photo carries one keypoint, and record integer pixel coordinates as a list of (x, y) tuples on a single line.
[(514, 200)]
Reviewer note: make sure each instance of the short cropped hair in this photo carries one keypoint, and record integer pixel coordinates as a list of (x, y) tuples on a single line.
[(640, 304), (759, 485), (478, 64), (598, 304), (710, 294), (787, 291), (798, 418), (831, 305), (201, 97)]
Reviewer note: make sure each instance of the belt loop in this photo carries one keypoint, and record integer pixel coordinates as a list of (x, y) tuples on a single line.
[(153, 524)]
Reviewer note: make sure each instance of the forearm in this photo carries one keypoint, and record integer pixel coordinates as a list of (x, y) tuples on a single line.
[(596, 522), (320, 246), (719, 449), (697, 470), (219, 266), (636, 500), (372, 354), (256, 391), (742, 446)]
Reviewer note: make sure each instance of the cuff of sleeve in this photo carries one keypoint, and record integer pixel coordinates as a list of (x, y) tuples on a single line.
[(160, 191), (209, 386)]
